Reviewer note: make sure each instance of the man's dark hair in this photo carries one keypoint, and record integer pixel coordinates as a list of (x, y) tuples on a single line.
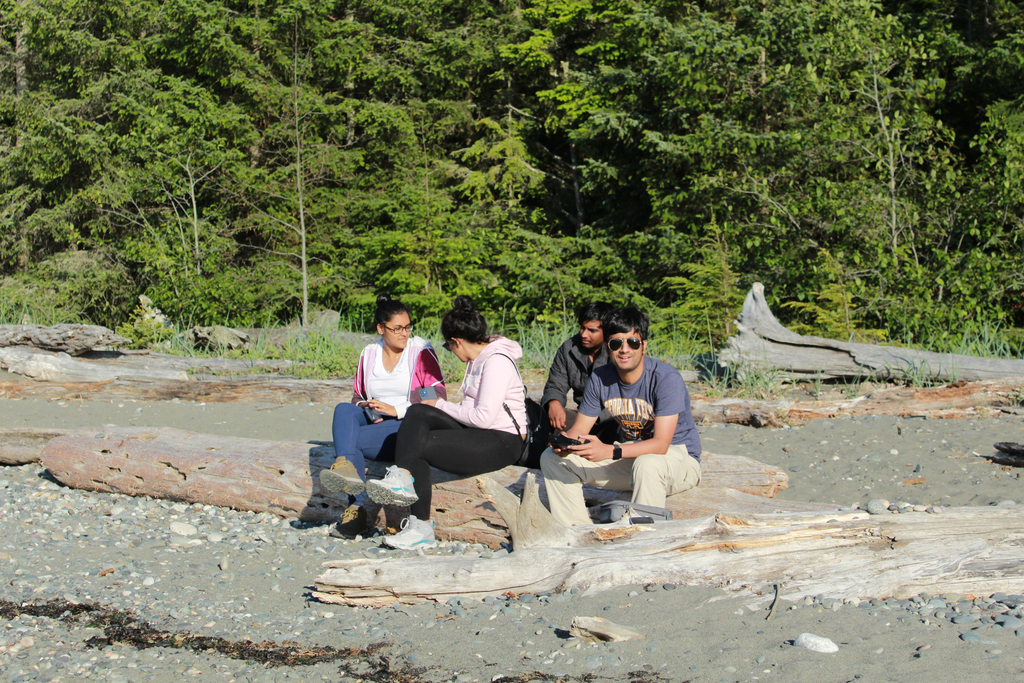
[(595, 310), (625, 319)]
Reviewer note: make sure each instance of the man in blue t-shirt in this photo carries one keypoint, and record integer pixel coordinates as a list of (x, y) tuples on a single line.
[(658, 452)]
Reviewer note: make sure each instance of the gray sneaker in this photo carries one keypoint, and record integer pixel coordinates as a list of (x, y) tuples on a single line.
[(396, 488), (342, 478)]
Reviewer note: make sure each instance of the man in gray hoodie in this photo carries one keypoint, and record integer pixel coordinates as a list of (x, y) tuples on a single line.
[(574, 362)]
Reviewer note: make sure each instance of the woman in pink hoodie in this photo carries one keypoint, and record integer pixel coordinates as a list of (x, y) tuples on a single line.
[(483, 433)]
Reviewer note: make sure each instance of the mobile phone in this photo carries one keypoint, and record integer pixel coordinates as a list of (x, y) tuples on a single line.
[(427, 394), (561, 441), (371, 414)]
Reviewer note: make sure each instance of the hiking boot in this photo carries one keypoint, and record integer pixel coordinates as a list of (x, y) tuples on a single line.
[(342, 478), (352, 523), (415, 533), (394, 489)]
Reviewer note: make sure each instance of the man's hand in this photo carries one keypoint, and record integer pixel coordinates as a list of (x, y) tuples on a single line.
[(593, 450), (556, 414)]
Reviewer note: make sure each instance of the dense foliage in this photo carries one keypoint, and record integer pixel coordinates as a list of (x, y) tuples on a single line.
[(234, 158)]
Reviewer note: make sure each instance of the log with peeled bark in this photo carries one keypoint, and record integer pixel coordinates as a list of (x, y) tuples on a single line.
[(23, 445), (283, 478), (73, 340), (762, 343), (60, 367), (207, 389), (968, 550)]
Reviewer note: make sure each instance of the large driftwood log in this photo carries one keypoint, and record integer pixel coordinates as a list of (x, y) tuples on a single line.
[(974, 551), (460, 512), (60, 367), (762, 343), (22, 445), (241, 389), (71, 339), (283, 478), (244, 474)]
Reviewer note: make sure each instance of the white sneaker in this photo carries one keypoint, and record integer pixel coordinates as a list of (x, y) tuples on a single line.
[(394, 489), (415, 533)]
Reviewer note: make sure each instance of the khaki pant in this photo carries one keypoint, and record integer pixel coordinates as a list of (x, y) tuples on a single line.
[(651, 478)]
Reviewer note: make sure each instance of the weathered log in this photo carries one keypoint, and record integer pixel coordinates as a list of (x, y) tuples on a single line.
[(1010, 454), (193, 365), (60, 367), (71, 339), (461, 513), (283, 478), (241, 389), (973, 551), (23, 445), (244, 474), (763, 344), (598, 629)]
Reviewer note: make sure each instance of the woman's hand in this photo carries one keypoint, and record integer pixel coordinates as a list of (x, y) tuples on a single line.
[(383, 408)]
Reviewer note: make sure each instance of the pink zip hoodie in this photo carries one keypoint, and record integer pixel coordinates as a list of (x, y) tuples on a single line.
[(492, 379), (423, 368)]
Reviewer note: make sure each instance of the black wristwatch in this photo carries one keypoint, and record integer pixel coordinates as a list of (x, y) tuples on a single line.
[(616, 453)]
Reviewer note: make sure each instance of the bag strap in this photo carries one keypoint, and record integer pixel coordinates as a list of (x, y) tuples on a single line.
[(526, 394)]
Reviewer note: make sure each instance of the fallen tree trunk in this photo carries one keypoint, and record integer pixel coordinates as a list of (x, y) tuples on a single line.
[(762, 343), (957, 400), (974, 551), (283, 478), (240, 389), (60, 367), (71, 339), (23, 445)]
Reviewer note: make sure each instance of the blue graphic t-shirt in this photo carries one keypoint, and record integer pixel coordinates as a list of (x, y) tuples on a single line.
[(660, 391)]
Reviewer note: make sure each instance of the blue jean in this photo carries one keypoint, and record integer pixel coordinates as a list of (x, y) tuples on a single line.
[(356, 438)]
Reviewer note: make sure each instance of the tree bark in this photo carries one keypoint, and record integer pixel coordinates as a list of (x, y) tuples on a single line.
[(763, 344)]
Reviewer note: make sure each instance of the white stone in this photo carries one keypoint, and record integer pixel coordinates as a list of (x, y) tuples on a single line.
[(148, 581), (815, 643), (183, 529)]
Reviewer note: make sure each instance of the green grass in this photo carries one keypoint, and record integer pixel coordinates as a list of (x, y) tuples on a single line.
[(21, 306)]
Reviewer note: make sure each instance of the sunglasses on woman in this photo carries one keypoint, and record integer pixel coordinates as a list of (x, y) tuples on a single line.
[(616, 344)]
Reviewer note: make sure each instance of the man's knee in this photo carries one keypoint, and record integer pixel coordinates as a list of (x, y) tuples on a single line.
[(553, 467), (651, 465), (548, 460)]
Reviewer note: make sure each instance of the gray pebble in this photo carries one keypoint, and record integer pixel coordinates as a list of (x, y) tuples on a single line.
[(877, 506)]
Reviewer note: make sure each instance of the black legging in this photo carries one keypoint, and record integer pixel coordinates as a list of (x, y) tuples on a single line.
[(430, 437)]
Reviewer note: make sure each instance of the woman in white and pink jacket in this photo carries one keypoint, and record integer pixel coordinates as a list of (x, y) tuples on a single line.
[(390, 373), (483, 433)]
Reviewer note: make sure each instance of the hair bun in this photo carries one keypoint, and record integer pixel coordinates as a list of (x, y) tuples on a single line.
[(463, 303), (383, 299)]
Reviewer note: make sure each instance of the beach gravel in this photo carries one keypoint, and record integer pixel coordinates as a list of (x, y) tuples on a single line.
[(243, 577)]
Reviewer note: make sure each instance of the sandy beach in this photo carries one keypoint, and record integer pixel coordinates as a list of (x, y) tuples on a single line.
[(243, 576)]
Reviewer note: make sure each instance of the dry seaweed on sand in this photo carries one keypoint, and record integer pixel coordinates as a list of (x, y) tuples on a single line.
[(124, 627)]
